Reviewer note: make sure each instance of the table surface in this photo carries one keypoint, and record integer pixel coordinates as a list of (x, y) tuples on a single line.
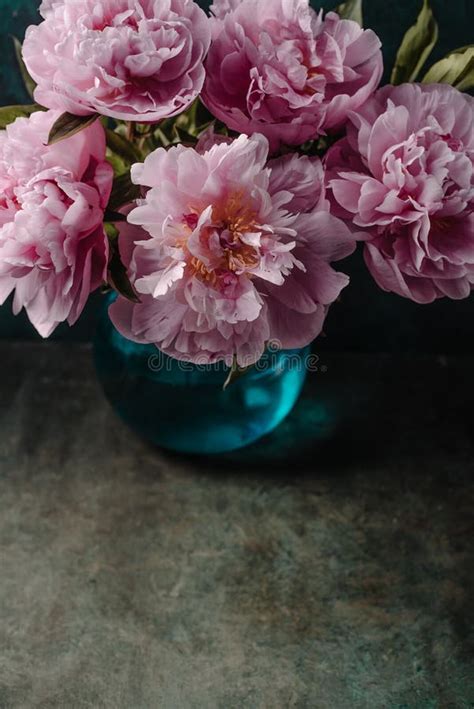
[(327, 566)]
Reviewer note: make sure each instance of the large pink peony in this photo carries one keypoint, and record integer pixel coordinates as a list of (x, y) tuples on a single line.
[(233, 252), (53, 250), (137, 60), (278, 68), (405, 174)]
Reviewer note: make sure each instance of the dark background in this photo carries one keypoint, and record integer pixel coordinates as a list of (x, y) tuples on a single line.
[(366, 319)]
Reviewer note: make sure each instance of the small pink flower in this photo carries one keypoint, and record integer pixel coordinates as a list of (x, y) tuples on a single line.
[(277, 68), (53, 250), (231, 252), (136, 60), (405, 175)]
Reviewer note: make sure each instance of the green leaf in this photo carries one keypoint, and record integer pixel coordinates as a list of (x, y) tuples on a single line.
[(456, 69), (183, 137), (235, 372), (8, 114), (351, 10), (122, 147), (117, 273), (111, 231), (416, 47), (201, 128), (30, 84), (161, 138), (123, 192), (187, 119), (119, 165), (203, 115), (68, 125), (114, 217)]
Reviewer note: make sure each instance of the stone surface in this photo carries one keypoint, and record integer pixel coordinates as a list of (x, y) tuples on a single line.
[(326, 567)]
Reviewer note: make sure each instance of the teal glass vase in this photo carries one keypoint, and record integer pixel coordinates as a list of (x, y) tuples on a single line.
[(184, 407)]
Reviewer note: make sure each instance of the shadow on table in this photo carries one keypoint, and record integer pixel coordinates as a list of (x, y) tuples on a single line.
[(363, 411)]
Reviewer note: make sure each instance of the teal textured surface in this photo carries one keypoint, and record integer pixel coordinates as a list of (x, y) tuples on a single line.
[(294, 574)]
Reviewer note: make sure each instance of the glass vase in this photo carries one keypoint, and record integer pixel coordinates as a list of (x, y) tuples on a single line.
[(184, 407)]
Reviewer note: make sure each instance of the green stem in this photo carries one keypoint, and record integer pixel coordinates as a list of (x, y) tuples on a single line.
[(130, 131)]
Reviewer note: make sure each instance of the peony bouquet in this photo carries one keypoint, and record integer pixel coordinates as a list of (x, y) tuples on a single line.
[(212, 170)]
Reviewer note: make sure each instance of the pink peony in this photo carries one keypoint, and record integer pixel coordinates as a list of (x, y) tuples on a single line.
[(232, 252), (405, 174), (276, 67), (53, 250), (136, 60)]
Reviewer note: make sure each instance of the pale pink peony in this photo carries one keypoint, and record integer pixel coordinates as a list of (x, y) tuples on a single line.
[(136, 60), (220, 8), (278, 68), (53, 250), (405, 174), (232, 253)]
